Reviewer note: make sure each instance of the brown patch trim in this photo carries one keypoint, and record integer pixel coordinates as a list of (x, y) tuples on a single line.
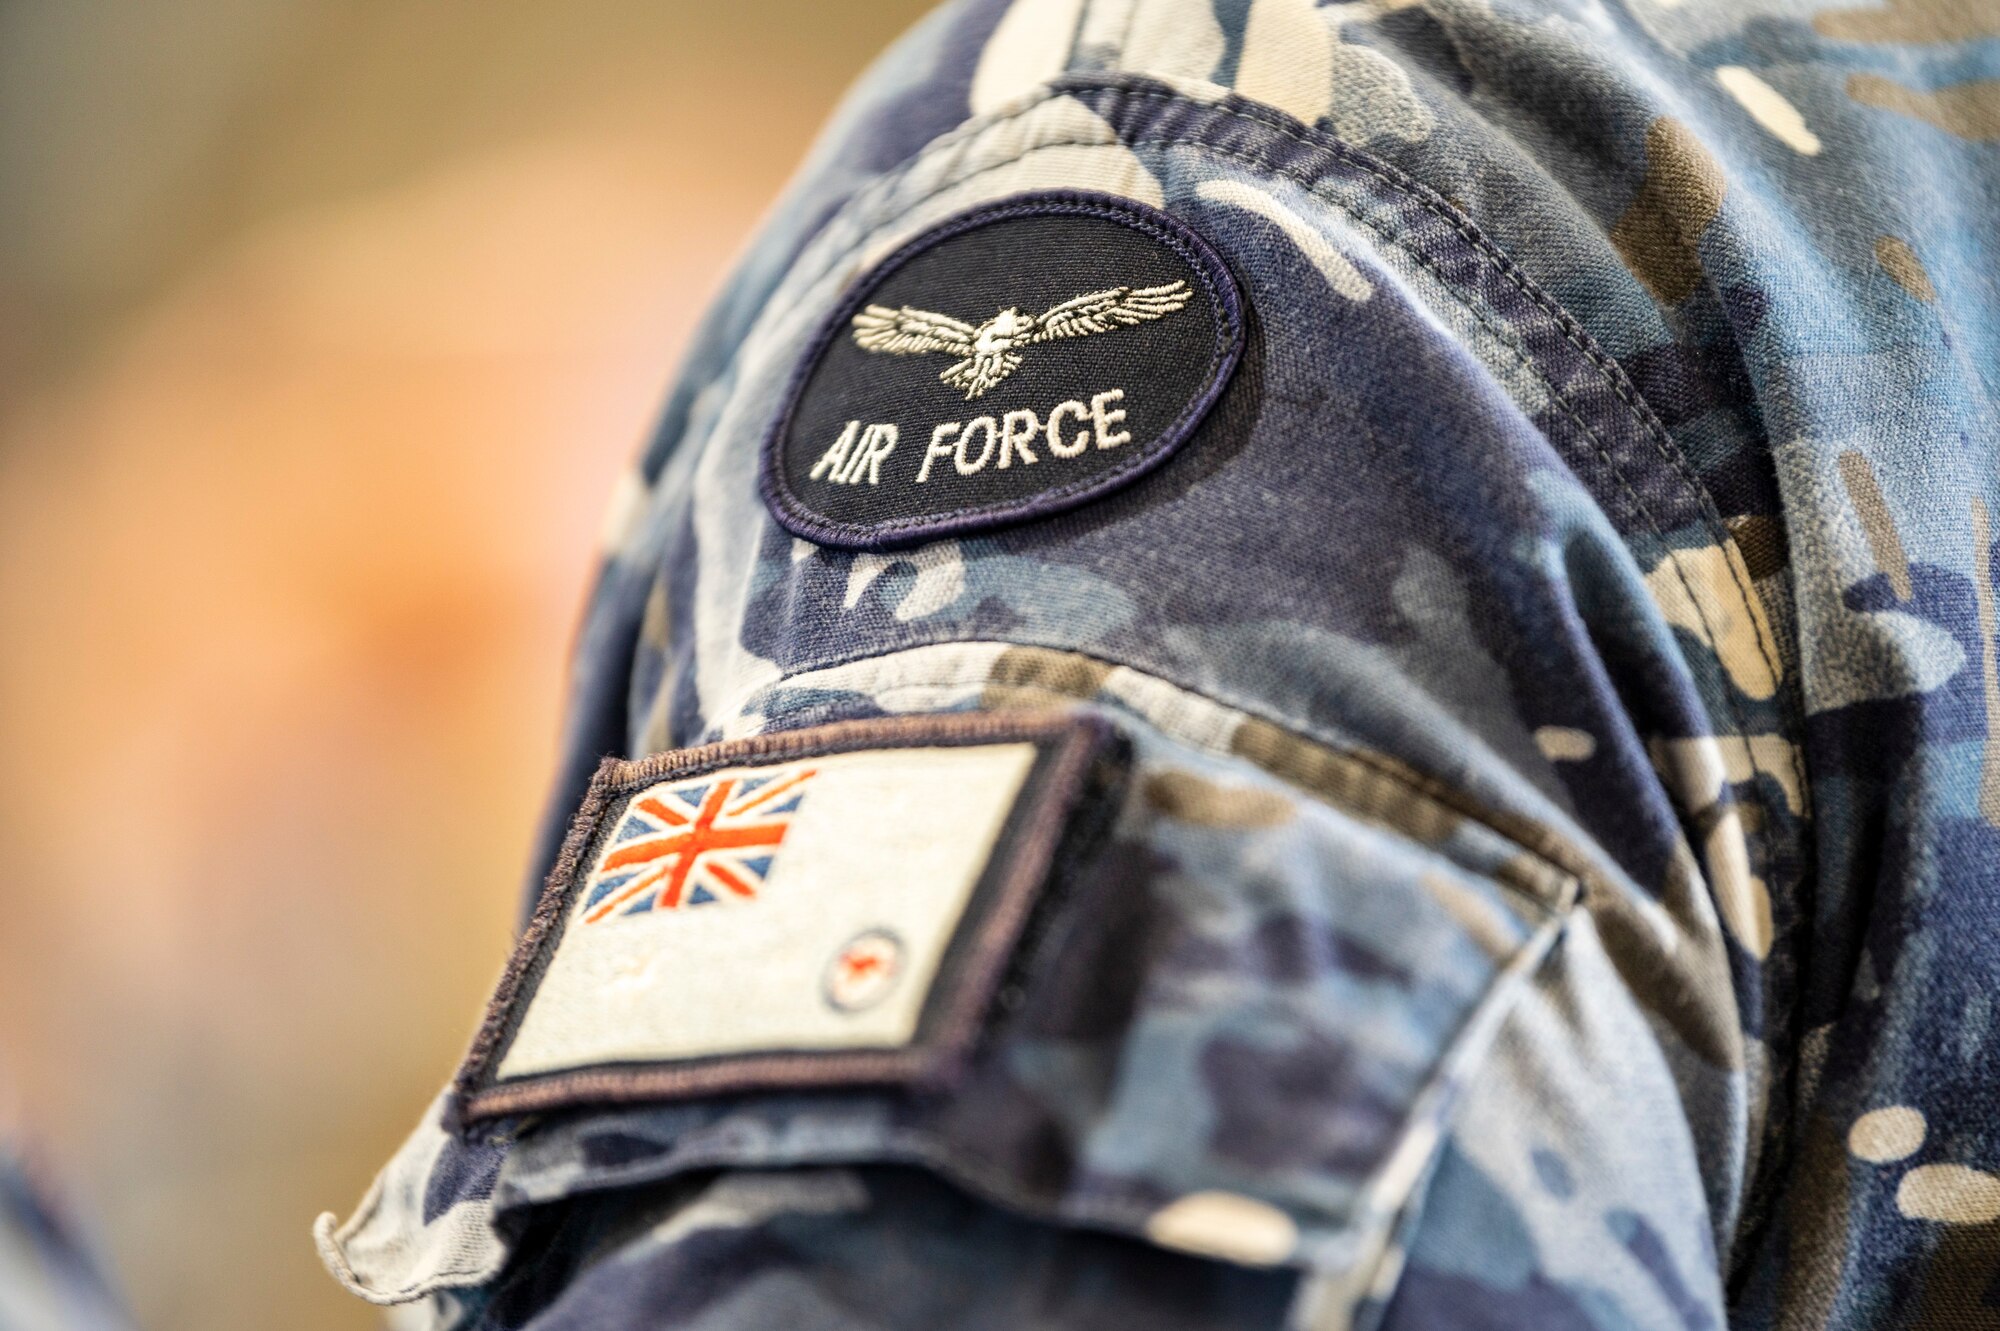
[(1878, 521), (1191, 798), (1077, 771), (1681, 194), (1762, 541), (1900, 262), (1968, 110)]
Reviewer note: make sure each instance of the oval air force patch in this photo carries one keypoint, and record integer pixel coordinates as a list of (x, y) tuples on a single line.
[(1013, 361)]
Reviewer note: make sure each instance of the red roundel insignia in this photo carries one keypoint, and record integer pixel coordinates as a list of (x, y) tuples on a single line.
[(863, 972)]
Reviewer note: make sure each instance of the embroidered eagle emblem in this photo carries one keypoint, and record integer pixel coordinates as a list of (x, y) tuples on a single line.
[(989, 352)]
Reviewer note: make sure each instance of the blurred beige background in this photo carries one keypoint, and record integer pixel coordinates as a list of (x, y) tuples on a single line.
[(325, 326)]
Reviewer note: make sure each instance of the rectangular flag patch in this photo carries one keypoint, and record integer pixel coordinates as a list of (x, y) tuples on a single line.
[(828, 906)]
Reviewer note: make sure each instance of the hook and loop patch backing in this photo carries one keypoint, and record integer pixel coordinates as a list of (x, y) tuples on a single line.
[(1014, 361), (822, 907)]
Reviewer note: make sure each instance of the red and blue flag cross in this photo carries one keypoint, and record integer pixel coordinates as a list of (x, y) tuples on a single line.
[(693, 844)]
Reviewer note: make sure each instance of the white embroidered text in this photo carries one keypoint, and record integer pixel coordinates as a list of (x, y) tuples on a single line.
[(857, 452), (1069, 431)]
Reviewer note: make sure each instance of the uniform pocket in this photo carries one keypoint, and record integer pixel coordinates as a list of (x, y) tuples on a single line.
[(1236, 1029)]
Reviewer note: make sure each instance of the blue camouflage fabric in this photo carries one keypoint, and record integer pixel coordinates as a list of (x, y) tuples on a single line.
[(1560, 883)]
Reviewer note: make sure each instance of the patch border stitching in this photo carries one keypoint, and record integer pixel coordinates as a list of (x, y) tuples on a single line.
[(1070, 745), (1225, 298)]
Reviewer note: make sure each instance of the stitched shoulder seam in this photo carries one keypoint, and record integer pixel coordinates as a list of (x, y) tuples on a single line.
[(1564, 870), (869, 200)]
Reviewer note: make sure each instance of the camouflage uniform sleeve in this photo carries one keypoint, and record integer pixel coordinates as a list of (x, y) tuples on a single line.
[(1452, 960)]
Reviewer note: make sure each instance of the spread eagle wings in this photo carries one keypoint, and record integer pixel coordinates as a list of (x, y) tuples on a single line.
[(989, 352), (906, 331), (1102, 311)]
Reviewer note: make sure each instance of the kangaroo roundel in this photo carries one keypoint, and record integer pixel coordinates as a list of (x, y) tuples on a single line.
[(1012, 362)]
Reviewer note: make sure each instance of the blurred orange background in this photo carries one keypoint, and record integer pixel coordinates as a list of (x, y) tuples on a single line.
[(325, 326)]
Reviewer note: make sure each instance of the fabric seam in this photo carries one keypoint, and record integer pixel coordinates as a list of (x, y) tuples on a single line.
[(1495, 258), (1432, 792)]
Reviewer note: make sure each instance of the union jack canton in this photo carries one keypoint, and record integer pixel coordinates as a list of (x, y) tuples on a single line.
[(694, 843)]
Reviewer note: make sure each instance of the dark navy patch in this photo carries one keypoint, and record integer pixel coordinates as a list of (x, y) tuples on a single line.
[(1014, 361)]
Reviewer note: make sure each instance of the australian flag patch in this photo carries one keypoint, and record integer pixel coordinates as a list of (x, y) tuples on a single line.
[(822, 907)]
